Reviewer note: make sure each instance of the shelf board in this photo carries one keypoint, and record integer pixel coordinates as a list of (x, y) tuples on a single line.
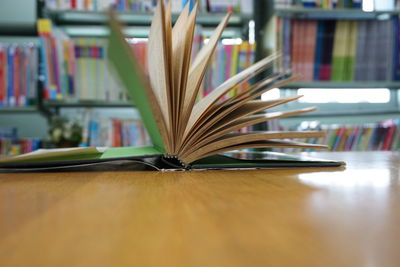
[(18, 109), (133, 31), (340, 13), (87, 103), (344, 85), (68, 17)]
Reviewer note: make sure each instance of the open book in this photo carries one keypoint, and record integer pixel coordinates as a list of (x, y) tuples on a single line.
[(187, 133)]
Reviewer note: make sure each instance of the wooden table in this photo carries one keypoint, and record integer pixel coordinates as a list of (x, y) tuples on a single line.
[(280, 217)]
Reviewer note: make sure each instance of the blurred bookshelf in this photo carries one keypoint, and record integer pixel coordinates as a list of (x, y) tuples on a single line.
[(340, 46), (338, 13), (82, 33), (87, 104), (63, 17)]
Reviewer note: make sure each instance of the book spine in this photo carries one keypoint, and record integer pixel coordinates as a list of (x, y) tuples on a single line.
[(11, 77), (3, 66), (311, 50), (319, 50), (24, 77)]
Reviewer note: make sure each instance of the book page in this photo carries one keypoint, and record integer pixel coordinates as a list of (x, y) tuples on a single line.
[(182, 39), (186, 67), (238, 139), (265, 144), (217, 111), (197, 71), (220, 129), (158, 64), (206, 103), (46, 154), (234, 112)]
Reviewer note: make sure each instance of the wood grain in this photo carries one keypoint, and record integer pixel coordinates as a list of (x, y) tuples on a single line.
[(288, 217)]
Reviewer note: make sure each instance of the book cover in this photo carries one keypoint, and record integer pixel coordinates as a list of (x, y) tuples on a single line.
[(361, 52), (3, 73), (318, 50), (327, 51)]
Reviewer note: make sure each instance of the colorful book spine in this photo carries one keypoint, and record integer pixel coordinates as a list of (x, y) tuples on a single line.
[(18, 74), (381, 136), (116, 133), (215, 6), (342, 50), (228, 60), (13, 146)]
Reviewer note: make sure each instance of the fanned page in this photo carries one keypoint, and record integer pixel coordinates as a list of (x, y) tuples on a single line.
[(197, 72), (218, 111), (191, 130), (159, 67), (182, 38), (226, 143)]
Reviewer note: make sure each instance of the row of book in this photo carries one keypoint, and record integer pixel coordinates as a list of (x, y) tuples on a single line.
[(228, 60), (345, 50), (77, 69), (18, 74), (11, 145), (368, 137), (113, 132), (332, 4), (381, 136), (213, 6)]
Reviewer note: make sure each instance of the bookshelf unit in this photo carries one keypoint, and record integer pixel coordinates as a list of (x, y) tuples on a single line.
[(337, 15), (350, 14), (91, 24), (369, 123)]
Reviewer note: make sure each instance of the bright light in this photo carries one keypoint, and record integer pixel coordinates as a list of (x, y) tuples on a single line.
[(236, 41), (272, 94), (350, 178), (252, 32), (368, 5), (378, 95), (137, 40)]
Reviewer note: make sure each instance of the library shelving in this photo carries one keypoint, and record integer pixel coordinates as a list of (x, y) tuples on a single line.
[(83, 28), (338, 13), (339, 48), (368, 45), (380, 136), (81, 33), (66, 17)]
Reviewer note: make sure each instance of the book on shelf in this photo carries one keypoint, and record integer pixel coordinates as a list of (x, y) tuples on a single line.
[(103, 131), (18, 74), (380, 136), (79, 69), (76, 69), (186, 134), (11, 145), (340, 50), (212, 6), (325, 4)]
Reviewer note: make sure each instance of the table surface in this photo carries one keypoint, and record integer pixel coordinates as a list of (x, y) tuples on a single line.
[(279, 217)]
